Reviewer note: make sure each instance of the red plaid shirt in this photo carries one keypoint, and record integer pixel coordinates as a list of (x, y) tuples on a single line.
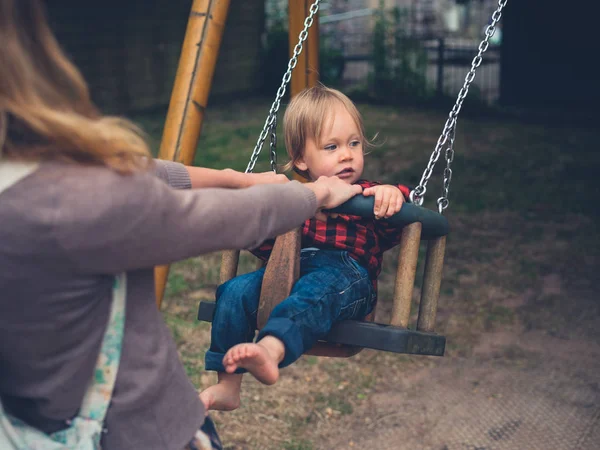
[(365, 239)]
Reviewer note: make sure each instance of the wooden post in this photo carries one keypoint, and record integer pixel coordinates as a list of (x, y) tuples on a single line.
[(229, 265), (190, 92), (432, 279), (283, 268), (405, 278), (306, 72)]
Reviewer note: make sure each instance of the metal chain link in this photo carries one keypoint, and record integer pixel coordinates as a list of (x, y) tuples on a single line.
[(271, 118), (443, 201), (273, 145), (418, 194)]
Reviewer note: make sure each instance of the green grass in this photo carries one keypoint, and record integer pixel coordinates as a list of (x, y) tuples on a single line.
[(176, 285)]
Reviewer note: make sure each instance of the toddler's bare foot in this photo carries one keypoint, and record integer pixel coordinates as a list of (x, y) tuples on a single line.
[(218, 398), (256, 359), (225, 395)]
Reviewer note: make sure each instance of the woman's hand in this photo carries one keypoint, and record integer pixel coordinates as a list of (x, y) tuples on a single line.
[(332, 192), (388, 200)]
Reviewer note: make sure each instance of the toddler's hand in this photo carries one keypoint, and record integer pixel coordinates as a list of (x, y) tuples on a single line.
[(388, 200), (332, 192)]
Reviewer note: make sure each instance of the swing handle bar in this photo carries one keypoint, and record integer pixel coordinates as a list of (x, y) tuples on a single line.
[(434, 224)]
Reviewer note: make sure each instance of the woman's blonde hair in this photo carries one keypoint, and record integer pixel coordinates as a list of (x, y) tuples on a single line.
[(46, 112), (306, 115)]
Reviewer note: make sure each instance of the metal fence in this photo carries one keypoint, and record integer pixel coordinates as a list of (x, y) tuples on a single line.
[(448, 61), (348, 36)]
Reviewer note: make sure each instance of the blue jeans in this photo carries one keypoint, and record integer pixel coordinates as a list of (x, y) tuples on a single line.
[(332, 287)]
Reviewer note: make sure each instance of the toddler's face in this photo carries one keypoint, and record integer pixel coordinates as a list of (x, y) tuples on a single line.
[(338, 152)]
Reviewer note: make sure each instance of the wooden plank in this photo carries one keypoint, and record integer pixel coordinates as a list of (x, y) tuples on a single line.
[(405, 277), (432, 279), (282, 271)]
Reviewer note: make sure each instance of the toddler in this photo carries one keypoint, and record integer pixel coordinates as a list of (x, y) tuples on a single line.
[(339, 263)]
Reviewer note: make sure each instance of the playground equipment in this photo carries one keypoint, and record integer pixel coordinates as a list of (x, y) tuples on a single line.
[(182, 130)]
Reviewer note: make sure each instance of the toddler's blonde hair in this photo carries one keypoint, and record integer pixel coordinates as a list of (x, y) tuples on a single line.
[(306, 115)]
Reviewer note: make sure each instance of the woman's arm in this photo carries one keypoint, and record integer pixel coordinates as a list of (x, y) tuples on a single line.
[(185, 177), (107, 223), (228, 178)]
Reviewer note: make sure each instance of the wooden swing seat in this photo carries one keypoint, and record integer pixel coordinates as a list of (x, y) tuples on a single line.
[(349, 337)]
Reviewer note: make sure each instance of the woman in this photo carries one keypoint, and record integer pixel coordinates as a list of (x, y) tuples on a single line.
[(90, 208)]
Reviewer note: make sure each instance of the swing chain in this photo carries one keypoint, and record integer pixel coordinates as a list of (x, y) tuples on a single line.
[(271, 118), (443, 201), (273, 145), (447, 137)]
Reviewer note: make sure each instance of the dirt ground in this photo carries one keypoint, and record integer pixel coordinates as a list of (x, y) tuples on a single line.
[(522, 374), (532, 383), (519, 306)]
